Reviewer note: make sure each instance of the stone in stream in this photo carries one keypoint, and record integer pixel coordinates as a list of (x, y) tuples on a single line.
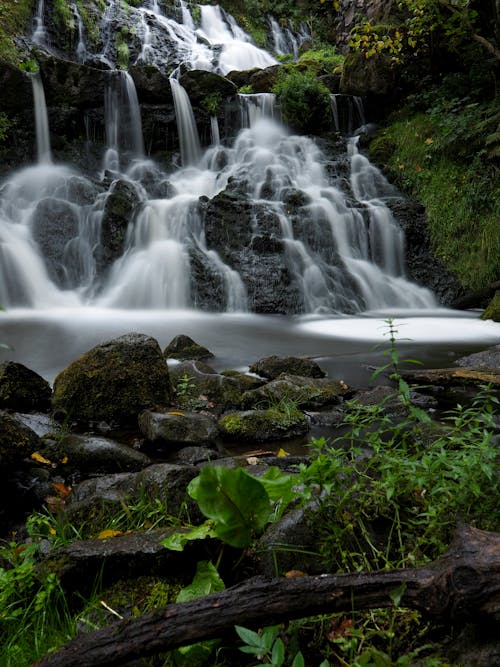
[(271, 367), (22, 389), (178, 428), (303, 392), (183, 347), (263, 425)]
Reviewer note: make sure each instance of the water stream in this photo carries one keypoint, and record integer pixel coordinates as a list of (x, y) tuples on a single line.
[(341, 249)]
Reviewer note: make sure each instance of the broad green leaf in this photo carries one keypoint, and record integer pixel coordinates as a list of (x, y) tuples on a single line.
[(278, 654), (397, 594), (205, 581), (178, 541), (278, 485), (250, 637), (236, 501), (298, 661)]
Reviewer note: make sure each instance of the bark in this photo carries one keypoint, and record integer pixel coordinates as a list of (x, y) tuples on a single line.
[(463, 584), (454, 376)]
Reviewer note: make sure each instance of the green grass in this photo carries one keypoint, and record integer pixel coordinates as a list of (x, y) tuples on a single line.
[(443, 160)]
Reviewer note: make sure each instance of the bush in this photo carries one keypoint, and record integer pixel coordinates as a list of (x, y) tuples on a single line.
[(305, 102)]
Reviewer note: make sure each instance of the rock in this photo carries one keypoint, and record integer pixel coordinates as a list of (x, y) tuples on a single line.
[(152, 86), (201, 386), (492, 311), (362, 76), (118, 211), (178, 429), (388, 399), (23, 389), (289, 544), (271, 367), (201, 83), (489, 358), (17, 91), (113, 382), (263, 80), (94, 499), (68, 83), (301, 391), (263, 425), (196, 455), (183, 347), (17, 441), (88, 454)]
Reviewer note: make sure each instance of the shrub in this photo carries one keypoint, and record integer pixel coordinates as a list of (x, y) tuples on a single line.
[(305, 102)]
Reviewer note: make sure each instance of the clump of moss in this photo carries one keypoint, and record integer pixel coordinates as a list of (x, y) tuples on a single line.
[(122, 51), (14, 19), (304, 100)]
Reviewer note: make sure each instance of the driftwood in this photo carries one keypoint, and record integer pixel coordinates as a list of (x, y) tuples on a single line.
[(453, 376), (463, 584)]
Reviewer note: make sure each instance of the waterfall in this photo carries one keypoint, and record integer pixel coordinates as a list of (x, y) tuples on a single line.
[(186, 124), (262, 212), (41, 121), (123, 120), (39, 35), (81, 49)]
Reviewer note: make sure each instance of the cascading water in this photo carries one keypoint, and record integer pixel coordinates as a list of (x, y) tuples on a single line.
[(340, 248), (39, 34), (41, 121)]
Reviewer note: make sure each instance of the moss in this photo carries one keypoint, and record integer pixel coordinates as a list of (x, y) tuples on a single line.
[(122, 51), (211, 103), (14, 20), (492, 312), (64, 18), (270, 424)]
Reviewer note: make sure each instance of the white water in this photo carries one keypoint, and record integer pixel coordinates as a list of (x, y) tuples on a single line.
[(41, 121), (186, 125), (39, 35)]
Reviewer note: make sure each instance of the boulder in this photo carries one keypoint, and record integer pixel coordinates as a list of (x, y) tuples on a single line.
[(489, 358), (183, 347), (201, 83), (303, 392), (118, 211), (263, 425), (201, 386), (68, 83), (113, 382), (89, 454), (178, 428), (17, 92), (22, 389), (152, 86), (372, 76), (272, 367), (18, 441)]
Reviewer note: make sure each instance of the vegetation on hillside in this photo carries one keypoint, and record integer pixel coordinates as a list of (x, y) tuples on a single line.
[(14, 19)]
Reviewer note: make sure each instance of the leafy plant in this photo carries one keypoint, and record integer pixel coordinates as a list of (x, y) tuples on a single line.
[(211, 103), (246, 90), (269, 647), (304, 100)]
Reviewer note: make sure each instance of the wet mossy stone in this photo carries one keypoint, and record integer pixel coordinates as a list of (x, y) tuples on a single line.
[(183, 347), (272, 367), (178, 428), (263, 425), (113, 382), (18, 441), (220, 391), (492, 311), (22, 389), (304, 392)]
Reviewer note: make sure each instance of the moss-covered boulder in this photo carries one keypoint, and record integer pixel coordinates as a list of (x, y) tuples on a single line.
[(200, 84), (113, 382), (183, 347), (17, 441), (303, 392), (22, 389), (272, 367), (263, 425), (372, 76), (492, 311), (120, 204), (197, 385), (178, 428)]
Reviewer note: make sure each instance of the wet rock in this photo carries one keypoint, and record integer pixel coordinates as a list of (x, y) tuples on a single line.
[(17, 441), (200, 83), (183, 347), (152, 86), (205, 387), (361, 76), (326, 418), (303, 392), (489, 358), (88, 454), (113, 382), (263, 425), (17, 92), (196, 455), (389, 400), (118, 211), (178, 429), (492, 311), (23, 389), (68, 83), (272, 367)]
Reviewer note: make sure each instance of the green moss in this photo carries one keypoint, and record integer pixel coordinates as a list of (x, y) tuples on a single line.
[(304, 100), (212, 103), (64, 18), (122, 51), (14, 19), (492, 312), (323, 60), (439, 160)]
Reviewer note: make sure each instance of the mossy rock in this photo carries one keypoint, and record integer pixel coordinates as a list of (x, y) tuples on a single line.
[(205, 387), (18, 441), (263, 425), (381, 150), (22, 389), (303, 392), (183, 347), (113, 382), (272, 367), (492, 311)]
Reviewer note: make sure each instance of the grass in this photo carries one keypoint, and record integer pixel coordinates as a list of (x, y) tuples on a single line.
[(445, 160)]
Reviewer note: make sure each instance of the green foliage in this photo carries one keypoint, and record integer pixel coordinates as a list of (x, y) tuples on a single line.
[(446, 159), (4, 125), (304, 101), (122, 50), (322, 59), (64, 18), (29, 66), (14, 19), (269, 648), (246, 90), (212, 103), (237, 503)]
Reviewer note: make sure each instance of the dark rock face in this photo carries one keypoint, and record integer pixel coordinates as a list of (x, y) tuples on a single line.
[(118, 211), (68, 83), (219, 392), (22, 389), (489, 358), (113, 382), (17, 442), (178, 429), (15, 85), (271, 367), (200, 83)]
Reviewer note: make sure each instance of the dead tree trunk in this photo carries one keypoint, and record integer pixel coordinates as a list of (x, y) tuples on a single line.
[(464, 583)]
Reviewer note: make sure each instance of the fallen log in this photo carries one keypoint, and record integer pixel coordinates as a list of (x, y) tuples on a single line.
[(453, 376), (462, 584)]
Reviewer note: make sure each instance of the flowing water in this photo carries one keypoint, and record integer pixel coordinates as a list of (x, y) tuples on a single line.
[(342, 249)]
